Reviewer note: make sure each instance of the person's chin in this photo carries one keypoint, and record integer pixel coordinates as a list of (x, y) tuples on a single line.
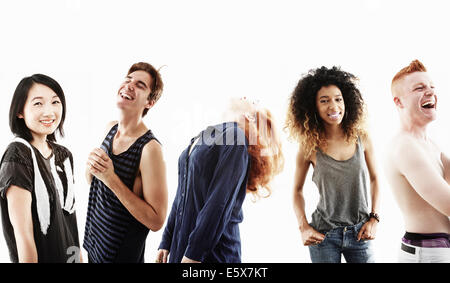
[(44, 131), (334, 121), (429, 115), (126, 108), (121, 106), (432, 117)]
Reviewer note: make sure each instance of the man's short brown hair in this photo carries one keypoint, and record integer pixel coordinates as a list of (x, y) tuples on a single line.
[(156, 86)]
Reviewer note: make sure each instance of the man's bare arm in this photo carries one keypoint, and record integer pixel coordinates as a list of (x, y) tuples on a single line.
[(414, 164), (446, 162), (151, 210), (154, 183)]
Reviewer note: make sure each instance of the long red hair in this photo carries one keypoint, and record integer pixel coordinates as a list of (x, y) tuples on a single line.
[(266, 157)]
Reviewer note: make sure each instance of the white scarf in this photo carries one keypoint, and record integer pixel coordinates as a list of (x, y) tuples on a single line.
[(40, 190)]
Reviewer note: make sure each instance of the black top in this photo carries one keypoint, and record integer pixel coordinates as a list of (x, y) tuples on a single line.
[(112, 234), (61, 239), (203, 224)]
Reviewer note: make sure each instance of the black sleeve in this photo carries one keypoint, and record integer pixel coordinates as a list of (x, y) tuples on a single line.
[(16, 168), (61, 154)]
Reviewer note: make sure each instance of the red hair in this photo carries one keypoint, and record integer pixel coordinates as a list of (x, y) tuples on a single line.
[(266, 157), (414, 66)]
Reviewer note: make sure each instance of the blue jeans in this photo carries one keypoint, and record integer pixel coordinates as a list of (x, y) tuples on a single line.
[(342, 241)]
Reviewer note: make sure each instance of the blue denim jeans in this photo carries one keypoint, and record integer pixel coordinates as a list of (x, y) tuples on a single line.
[(342, 241)]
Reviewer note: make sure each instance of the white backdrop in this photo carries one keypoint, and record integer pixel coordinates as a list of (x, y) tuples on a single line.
[(213, 50)]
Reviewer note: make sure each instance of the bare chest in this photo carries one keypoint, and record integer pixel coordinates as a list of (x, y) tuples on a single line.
[(122, 144), (434, 156), (340, 150)]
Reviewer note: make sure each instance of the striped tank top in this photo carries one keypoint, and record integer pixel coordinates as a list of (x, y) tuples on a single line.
[(112, 234)]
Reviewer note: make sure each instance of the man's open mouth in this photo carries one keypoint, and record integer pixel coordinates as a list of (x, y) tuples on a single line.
[(428, 105)]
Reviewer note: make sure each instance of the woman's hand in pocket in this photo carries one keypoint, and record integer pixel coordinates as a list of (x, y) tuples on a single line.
[(310, 236)]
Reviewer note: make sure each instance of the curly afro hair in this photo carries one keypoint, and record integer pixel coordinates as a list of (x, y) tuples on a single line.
[(303, 120)]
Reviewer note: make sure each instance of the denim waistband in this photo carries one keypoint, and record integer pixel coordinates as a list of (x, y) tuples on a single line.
[(354, 228)]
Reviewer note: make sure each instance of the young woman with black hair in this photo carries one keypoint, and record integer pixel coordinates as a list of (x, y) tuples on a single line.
[(36, 177)]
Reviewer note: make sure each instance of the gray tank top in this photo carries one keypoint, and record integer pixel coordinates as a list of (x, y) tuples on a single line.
[(343, 191)]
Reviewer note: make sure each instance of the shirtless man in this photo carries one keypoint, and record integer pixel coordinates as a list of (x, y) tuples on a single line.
[(418, 171)]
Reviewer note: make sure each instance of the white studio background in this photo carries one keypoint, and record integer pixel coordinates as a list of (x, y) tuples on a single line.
[(213, 50)]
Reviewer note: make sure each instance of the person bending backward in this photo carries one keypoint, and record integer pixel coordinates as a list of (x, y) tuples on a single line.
[(325, 115), (418, 171), (36, 177), (128, 193), (216, 170)]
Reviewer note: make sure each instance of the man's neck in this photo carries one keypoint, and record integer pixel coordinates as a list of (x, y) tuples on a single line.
[(130, 125), (415, 130)]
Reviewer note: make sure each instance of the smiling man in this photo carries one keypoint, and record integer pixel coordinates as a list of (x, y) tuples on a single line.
[(128, 193), (418, 171)]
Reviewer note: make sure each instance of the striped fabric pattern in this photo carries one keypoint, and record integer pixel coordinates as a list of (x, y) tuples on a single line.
[(107, 219)]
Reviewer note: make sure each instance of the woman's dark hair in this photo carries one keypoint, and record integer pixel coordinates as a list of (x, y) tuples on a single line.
[(17, 125), (303, 120)]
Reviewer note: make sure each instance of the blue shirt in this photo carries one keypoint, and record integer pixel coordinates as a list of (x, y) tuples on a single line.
[(212, 181)]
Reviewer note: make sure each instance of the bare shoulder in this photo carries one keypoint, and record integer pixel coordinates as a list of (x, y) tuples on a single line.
[(366, 142), (395, 151), (436, 147), (108, 128), (151, 150), (400, 144), (303, 158), (152, 160), (110, 125), (301, 154), (408, 151)]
